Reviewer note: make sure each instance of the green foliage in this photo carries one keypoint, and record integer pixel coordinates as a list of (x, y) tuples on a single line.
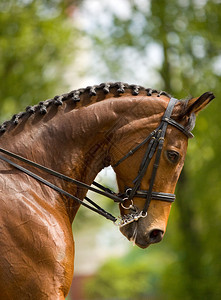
[(133, 277), (37, 39), (183, 33)]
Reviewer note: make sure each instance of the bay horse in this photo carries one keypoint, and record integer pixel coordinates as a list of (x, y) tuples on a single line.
[(50, 155)]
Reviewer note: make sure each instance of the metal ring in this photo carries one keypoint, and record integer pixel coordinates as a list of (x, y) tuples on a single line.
[(130, 206), (143, 215), (127, 192)]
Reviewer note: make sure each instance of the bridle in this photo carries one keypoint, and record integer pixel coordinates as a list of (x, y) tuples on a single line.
[(155, 145)]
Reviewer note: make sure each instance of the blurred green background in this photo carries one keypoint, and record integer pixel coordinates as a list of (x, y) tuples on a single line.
[(50, 47)]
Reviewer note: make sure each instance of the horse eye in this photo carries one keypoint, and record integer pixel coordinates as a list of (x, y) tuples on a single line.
[(173, 156)]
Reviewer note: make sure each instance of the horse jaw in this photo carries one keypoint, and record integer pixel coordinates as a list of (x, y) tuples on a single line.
[(151, 229)]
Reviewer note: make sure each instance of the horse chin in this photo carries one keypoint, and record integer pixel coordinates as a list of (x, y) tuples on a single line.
[(133, 234), (140, 235)]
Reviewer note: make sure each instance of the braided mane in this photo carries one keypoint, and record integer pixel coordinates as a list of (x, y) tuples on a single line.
[(78, 95)]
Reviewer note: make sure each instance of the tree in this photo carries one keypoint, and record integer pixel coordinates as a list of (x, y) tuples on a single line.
[(37, 41)]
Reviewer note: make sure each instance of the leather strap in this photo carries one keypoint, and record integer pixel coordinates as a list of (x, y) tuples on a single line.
[(178, 126), (167, 113), (105, 191), (157, 196), (131, 152), (96, 208)]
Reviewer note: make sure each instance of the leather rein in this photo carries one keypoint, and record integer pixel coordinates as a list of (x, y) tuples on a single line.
[(155, 145)]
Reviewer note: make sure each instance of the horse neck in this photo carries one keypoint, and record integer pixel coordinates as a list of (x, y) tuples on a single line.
[(74, 142)]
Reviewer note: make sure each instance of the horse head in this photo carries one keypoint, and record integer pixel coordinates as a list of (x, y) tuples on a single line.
[(146, 220)]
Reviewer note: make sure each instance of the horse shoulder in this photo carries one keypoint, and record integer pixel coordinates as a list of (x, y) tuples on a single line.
[(36, 245)]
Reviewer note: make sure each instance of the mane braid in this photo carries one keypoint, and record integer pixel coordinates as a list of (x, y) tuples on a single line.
[(75, 96)]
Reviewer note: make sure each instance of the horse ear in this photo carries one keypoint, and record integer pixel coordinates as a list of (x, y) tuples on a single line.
[(195, 105)]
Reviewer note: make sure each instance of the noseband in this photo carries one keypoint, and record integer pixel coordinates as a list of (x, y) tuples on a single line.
[(155, 144)]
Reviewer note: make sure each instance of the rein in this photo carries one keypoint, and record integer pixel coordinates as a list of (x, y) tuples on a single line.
[(104, 191), (155, 145)]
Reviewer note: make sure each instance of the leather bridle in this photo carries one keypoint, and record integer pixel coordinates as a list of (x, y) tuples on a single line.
[(155, 145)]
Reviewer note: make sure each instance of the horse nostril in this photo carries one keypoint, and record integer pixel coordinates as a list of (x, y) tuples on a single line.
[(156, 236)]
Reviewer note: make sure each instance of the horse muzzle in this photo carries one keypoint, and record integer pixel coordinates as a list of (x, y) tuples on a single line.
[(142, 236)]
